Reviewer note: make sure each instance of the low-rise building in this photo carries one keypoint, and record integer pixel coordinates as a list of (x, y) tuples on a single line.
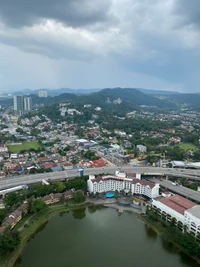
[(192, 219), (142, 148), (180, 208)]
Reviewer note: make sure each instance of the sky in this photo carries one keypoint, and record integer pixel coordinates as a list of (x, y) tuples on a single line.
[(81, 44)]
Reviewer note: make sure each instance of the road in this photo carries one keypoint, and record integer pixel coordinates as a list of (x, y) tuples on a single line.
[(71, 174), (35, 178), (181, 190)]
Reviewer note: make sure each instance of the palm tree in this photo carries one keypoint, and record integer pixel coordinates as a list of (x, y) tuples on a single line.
[(147, 209), (198, 237), (163, 217), (173, 222), (169, 217), (156, 212), (180, 225), (185, 228)]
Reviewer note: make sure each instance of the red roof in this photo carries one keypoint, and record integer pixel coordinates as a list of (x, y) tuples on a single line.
[(43, 159), (50, 165), (131, 175), (98, 163), (178, 203), (143, 182)]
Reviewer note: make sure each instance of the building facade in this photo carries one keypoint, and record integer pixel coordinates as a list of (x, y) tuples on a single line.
[(192, 219), (27, 104), (180, 208), (116, 183), (42, 93), (22, 104)]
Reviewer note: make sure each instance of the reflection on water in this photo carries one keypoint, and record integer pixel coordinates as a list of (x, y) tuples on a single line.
[(94, 208), (62, 213), (150, 232), (40, 228), (79, 214), (97, 237), (169, 247)]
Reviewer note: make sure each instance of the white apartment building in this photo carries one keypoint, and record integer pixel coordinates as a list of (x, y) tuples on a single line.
[(182, 209), (129, 185), (42, 93), (27, 104), (142, 148), (192, 219)]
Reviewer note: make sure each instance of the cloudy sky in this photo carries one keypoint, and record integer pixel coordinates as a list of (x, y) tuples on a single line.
[(100, 43)]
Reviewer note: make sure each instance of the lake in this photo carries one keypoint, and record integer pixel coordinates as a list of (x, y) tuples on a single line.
[(98, 237)]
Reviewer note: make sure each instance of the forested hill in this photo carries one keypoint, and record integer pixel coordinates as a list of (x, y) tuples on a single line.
[(131, 97)]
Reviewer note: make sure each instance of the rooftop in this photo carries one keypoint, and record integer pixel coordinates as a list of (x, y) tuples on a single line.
[(195, 211), (178, 203)]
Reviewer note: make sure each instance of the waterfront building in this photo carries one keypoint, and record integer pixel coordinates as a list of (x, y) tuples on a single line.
[(192, 219), (180, 208), (118, 183), (174, 205)]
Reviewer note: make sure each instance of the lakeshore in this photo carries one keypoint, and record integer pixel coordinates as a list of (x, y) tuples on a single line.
[(36, 222)]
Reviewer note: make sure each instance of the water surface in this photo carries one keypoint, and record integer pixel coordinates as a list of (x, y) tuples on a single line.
[(98, 237)]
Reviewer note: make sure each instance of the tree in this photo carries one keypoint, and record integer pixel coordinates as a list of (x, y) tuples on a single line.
[(2, 215), (60, 186), (8, 242), (78, 197), (12, 199), (62, 199), (173, 222), (163, 217), (180, 225), (37, 206)]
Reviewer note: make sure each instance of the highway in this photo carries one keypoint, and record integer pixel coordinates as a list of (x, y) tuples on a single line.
[(53, 176), (150, 171), (181, 190)]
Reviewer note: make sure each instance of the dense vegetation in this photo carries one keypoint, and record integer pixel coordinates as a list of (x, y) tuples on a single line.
[(174, 231), (9, 241), (13, 200)]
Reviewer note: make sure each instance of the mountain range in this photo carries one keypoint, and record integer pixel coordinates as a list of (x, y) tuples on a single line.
[(56, 92), (131, 98)]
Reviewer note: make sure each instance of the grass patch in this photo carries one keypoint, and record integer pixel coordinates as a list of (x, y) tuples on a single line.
[(21, 222), (23, 146), (187, 146)]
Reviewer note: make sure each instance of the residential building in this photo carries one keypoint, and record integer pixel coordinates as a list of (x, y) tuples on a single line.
[(3, 148), (22, 104), (18, 104), (42, 93), (142, 148), (119, 183), (27, 104)]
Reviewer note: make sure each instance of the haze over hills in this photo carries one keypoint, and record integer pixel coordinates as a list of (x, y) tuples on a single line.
[(56, 92), (131, 98)]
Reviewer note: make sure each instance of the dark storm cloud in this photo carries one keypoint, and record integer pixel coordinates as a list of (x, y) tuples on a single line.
[(189, 11), (75, 13)]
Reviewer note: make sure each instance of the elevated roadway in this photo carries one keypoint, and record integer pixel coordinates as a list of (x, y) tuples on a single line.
[(181, 190), (145, 171), (70, 174)]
